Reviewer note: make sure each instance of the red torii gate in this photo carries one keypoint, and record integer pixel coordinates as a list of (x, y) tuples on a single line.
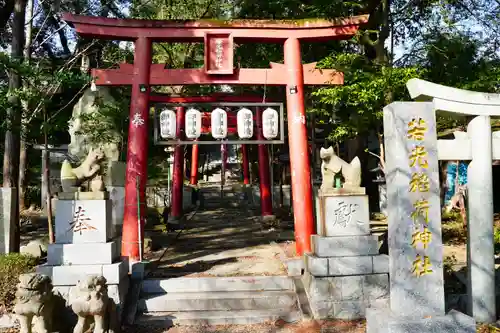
[(219, 38)]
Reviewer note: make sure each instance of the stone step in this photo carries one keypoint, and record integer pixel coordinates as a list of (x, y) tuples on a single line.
[(218, 301), (217, 204), (244, 317), (214, 284)]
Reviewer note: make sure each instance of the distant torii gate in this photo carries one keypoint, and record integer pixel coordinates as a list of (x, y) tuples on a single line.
[(265, 185), (219, 38)]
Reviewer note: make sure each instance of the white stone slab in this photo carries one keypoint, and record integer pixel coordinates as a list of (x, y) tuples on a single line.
[(343, 215), (83, 221), (69, 275), (83, 254), (117, 196), (7, 207), (344, 246), (413, 193)]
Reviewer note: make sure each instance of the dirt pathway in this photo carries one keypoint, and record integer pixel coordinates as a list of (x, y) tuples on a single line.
[(220, 242)]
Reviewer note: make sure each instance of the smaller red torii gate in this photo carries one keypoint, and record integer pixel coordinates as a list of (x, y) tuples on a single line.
[(265, 185), (219, 39)]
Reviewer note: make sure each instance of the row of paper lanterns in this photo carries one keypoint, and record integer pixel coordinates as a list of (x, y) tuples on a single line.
[(270, 124)]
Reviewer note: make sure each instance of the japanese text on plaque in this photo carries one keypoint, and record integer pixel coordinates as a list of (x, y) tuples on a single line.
[(419, 183)]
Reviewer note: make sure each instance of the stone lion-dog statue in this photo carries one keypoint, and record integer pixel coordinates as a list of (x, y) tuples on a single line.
[(332, 165), (92, 303), (73, 178), (34, 300)]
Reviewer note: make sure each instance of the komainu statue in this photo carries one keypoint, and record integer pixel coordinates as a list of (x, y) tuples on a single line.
[(91, 303), (73, 178), (332, 165), (34, 300)]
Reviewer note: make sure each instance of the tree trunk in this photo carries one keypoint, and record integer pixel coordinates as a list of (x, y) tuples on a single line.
[(5, 13), (11, 155), (23, 154)]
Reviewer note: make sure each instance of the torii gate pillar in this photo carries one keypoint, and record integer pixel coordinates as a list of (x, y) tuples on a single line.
[(137, 153), (299, 156)]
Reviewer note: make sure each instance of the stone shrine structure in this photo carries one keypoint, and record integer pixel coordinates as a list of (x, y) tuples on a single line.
[(414, 215), (86, 243), (344, 274)]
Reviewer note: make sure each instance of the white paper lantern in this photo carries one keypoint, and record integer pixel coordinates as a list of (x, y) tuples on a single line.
[(193, 124), (219, 123), (168, 124), (270, 123), (245, 123)]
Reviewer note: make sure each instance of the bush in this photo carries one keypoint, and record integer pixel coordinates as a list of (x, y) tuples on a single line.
[(11, 266)]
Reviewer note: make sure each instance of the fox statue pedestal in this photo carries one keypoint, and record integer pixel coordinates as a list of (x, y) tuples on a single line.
[(85, 244)]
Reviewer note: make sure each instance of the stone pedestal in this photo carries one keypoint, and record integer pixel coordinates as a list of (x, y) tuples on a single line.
[(345, 274), (85, 244)]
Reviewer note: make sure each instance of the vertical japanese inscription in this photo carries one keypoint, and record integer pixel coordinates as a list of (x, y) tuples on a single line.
[(419, 182), (219, 53)]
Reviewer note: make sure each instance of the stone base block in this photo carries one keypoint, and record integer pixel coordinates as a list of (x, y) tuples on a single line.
[(69, 275), (344, 246), (384, 321), (7, 207), (83, 254), (346, 215), (343, 266), (83, 221), (346, 297)]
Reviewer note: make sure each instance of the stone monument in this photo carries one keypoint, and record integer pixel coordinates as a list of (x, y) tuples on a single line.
[(345, 273), (85, 241), (480, 146), (7, 219), (414, 236)]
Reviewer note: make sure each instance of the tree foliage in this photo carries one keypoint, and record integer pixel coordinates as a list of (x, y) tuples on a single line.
[(356, 108)]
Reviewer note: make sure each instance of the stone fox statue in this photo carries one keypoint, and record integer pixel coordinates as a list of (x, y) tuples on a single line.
[(332, 165), (72, 178)]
